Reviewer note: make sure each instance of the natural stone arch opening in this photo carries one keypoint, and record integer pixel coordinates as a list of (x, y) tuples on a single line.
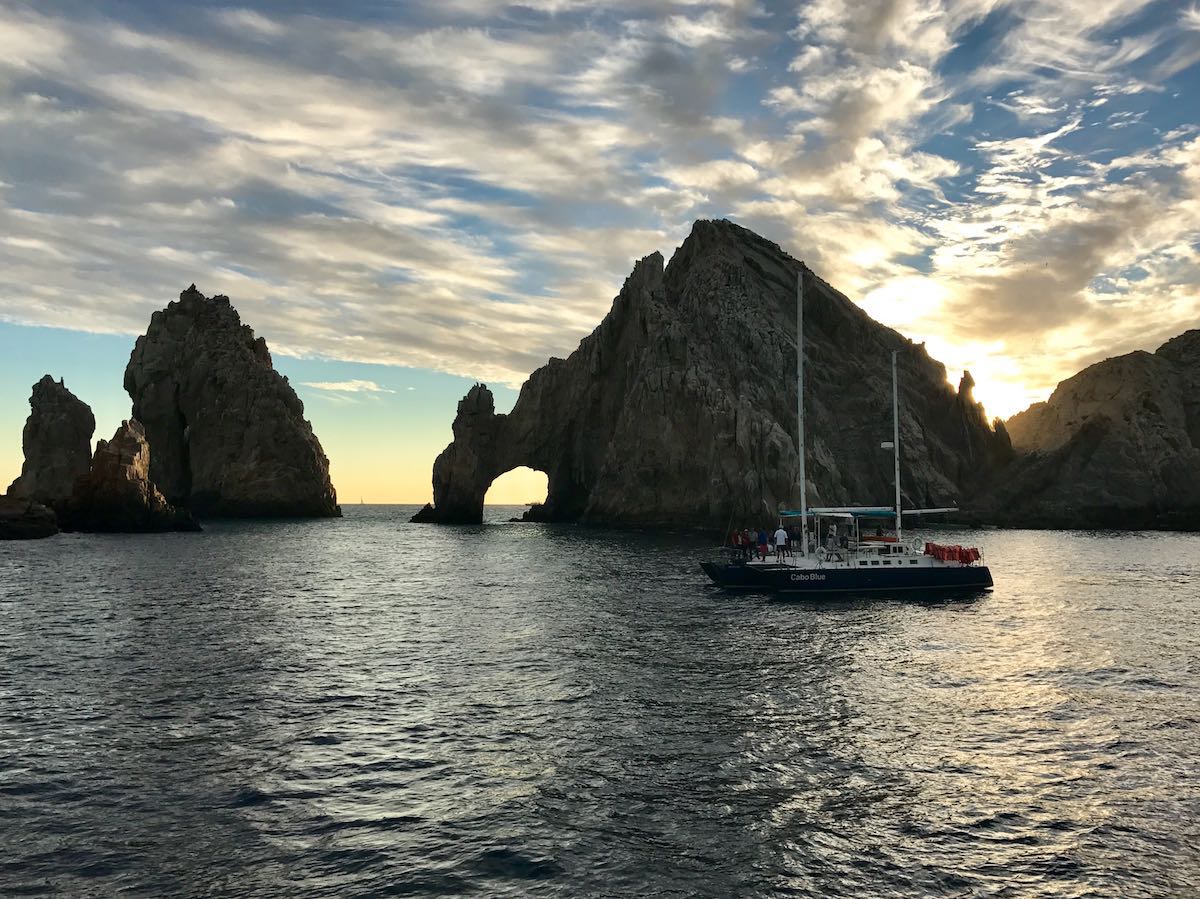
[(679, 408), (520, 486)]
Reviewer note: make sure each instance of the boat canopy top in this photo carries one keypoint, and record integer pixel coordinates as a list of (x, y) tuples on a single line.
[(862, 512), (845, 512)]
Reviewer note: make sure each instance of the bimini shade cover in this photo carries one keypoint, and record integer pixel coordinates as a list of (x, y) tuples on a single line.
[(845, 512)]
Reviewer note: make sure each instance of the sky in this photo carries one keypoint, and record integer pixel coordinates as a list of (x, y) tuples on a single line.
[(406, 197)]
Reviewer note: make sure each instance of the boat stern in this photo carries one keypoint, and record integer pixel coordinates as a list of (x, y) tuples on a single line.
[(731, 575)]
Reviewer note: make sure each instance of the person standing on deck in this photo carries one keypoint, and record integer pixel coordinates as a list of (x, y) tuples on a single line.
[(781, 542), (763, 544)]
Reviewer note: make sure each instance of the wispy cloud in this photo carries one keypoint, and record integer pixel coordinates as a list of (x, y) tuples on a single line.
[(355, 386), (462, 186)]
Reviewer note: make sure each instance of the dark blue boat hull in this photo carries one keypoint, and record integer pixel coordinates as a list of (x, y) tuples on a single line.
[(785, 579)]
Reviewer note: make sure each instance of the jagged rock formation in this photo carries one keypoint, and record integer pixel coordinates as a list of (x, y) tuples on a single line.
[(1117, 445), (680, 408), (24, 519), (57, 442), (228, 432), (117, 496)]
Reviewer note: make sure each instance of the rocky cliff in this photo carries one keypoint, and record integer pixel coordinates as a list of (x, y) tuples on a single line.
[(228, 432), (117, 495), (57, 442), (1117, 445), (680, 408)]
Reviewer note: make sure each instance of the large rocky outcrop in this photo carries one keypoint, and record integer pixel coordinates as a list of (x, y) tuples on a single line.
[(228, 432), (1117, 445), (24, 519), (117, 495), (681, 406), (57, 442)]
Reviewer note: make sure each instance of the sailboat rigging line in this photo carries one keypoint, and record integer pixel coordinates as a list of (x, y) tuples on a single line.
[(896, 441), (800, 409), (728, 525)]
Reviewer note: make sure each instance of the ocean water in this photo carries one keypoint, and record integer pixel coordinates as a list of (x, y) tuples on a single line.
[(368, 707)]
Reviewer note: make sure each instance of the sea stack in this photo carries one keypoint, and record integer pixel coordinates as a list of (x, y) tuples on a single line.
[(680, 408), (1116, 446), (117, 496), (57, 442), (227, 432)]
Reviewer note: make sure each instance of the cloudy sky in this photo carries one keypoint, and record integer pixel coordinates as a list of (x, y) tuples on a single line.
[(405, 196)]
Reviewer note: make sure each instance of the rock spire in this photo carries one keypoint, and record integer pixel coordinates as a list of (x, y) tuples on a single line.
[(57, 442), (227, 432), (116, 495)]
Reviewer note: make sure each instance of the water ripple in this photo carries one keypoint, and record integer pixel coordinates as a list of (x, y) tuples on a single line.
[(368, 707)]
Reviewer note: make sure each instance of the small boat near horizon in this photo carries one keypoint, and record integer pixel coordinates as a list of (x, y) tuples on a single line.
[(848, 561)]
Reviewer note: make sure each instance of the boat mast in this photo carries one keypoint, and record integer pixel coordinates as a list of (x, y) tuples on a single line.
[(896, 442), (800, 409)]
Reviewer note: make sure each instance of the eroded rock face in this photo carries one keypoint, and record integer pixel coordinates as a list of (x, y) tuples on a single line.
[(117, 495), (1117, 445), (24, 519), (680, 408), (467, 467), (228, 432), (57, 442)]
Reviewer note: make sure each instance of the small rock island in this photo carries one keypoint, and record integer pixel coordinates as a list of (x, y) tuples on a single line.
[(227, 432), (57, 443), (215, 432), (57, 446)]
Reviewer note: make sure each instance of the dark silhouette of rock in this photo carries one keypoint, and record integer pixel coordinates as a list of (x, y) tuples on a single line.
[(228, 432), (24, 519), (425, 515), (463, 472), (1116, 445), (117, 496), (57, 442), (680, 408), (536, 512)]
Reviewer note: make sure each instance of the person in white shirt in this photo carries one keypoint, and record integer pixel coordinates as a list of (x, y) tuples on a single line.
[(781, 541)]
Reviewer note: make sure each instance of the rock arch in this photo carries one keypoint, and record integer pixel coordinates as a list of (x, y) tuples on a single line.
[(486, 446), (680, 408), (522, 486)]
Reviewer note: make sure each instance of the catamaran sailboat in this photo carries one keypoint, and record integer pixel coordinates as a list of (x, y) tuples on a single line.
[(847, 561)]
